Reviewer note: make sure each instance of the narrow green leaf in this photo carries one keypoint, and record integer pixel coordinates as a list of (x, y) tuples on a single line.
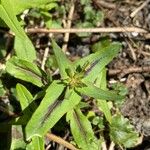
[(105, 109), (98, 60), (9, 17), (101, 82), (26, 71), (27, 104), (62, 61), (24, 96), (90, 90), (24, 49), (51, 109), (82, 130)]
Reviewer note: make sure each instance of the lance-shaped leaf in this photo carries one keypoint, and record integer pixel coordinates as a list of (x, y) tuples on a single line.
[(90, 90), (27, 104), (26, 4), (9, 17), (63, 63), (103, 105), (98, 61), (57, 101), (82, 130), (25, 97), (24, 49), (26, 71)]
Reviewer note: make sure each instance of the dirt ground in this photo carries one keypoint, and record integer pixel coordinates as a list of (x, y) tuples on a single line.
[(131, 62)]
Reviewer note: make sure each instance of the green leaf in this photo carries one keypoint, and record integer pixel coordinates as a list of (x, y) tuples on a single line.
[(24, 49), (27, 104), (26, 71), (37, 143), (90, 90), (82, 130), (101, 82), (85, 2), (89, 13), (27, 4), (105, 109), (98, 60), (62, 61), (103, 43), (122, 132), (99, 121), (57, 101), (9, 16), (24, 96), (85, 24), (17, 138), (18, 144)]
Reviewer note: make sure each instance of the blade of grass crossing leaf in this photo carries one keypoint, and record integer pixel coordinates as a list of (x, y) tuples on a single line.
[(36, 126), (82, 130), (62, 60), (90, 90)]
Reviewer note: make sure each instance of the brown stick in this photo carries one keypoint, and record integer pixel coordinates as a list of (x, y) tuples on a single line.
[(68, 26), (105, 4), (60, 141), (139, 8), (125, 71), (91, 30), (8, 112)]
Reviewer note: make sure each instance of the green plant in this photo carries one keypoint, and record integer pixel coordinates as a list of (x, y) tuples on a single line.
[(92, 17), (61, 96), (82, 77)]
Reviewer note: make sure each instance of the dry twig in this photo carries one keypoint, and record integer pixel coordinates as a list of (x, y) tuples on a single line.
[(131, 49), (105, 4), (112, 145), (61, 141), (139, 8), (68, 26), (125, 71), (8, 112), (46, 52), (44, 58), (90, 30), (104, 147)]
